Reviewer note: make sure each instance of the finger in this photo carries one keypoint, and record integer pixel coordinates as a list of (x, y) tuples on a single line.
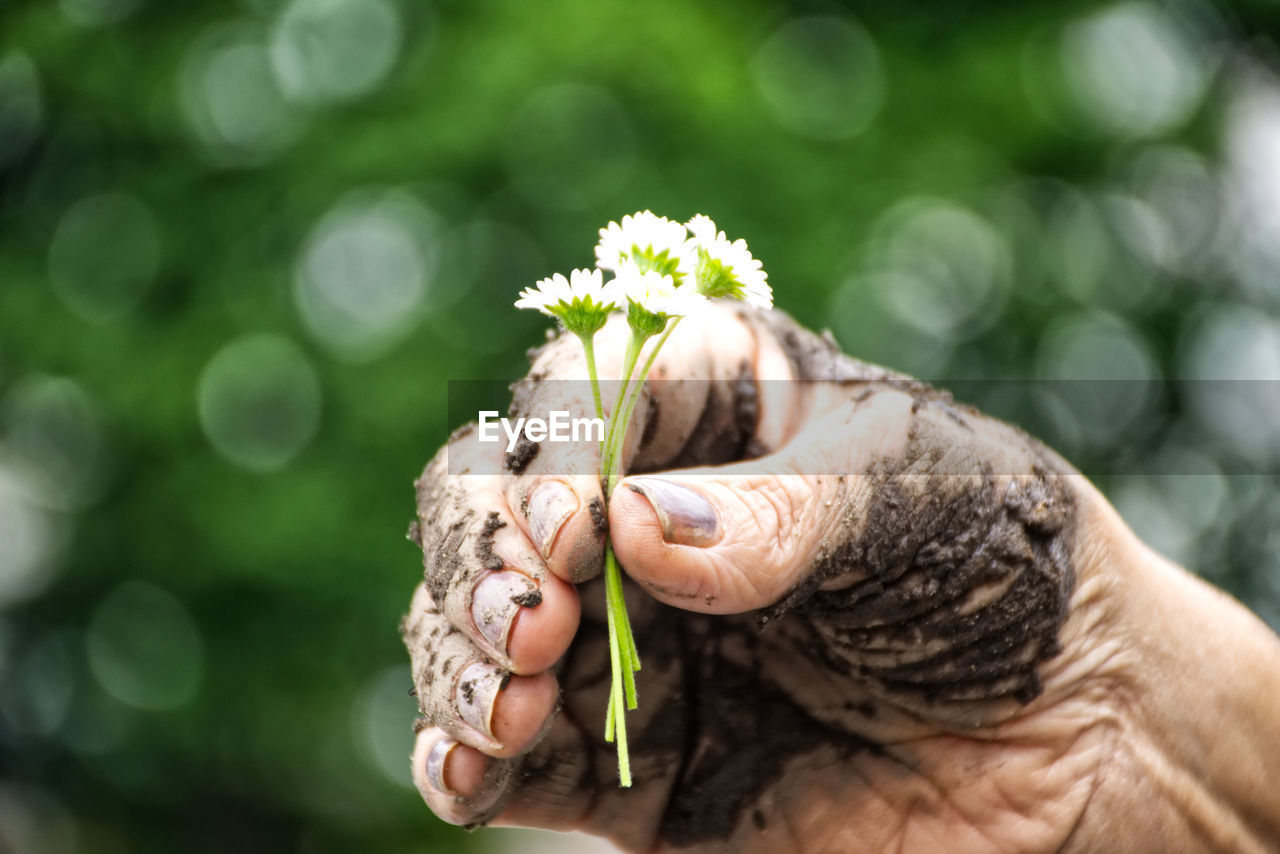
[(736, 538), (463, 692), (555, 486), (459, 783), (482, 571), (702, 403)]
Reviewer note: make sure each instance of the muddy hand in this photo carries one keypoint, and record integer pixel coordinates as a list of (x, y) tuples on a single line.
[(875, 620)]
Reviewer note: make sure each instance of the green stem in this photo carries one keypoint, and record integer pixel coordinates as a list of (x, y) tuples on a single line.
[(588, 345), (624, 758), (615, 666), (615, 727), (624, 658), (631, 647), (632, 396), (617, 605), (653, 354), (609, 462), (611, 716)]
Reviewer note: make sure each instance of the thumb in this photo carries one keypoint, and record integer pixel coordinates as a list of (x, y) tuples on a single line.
[(722, 542), (738, 537)]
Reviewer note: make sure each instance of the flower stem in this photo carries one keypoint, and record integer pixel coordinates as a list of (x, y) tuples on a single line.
[(624, 658), (631, 395), (616, 602), (589, 347), (653, 354), (615, 725), (610, 463)]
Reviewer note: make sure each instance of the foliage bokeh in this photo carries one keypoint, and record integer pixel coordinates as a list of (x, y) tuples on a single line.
[(243, 248)]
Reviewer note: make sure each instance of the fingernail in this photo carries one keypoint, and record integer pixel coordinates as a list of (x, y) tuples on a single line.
[(478, 687), (686, 517), (550, 506), (436, 759), (496, 601)]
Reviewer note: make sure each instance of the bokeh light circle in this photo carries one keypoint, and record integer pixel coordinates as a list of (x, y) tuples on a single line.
[(1078, 249), (1101, 374), (325, 50), (1251, 234), (820, 77), (52, 430), (1134, 69), (942, 269), (364, 271), (144, 648), (382, 718), (1178, 507), (31, 536), (863, 323), (259, 402), (1230, 361), (1144, 231), (231, 99), (1179, 185), (104, 255)]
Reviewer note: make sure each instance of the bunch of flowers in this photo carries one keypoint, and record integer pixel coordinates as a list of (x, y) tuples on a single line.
[(660, 272)]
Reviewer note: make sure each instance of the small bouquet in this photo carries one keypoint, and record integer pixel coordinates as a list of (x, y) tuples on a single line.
[(661, 271)]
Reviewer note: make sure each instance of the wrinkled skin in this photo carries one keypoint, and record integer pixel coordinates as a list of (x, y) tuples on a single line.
[(901, 626)]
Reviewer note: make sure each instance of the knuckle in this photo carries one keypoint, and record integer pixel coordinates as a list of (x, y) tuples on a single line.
[(442, 656), (777, 516), (778, 506), (458, 518)]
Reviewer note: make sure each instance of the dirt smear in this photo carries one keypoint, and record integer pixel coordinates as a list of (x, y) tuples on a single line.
[(599, 518), (730, 415), (528, 599), (518, 459)]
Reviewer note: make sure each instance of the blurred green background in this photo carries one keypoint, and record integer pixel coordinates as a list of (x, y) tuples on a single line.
[(244, 245)]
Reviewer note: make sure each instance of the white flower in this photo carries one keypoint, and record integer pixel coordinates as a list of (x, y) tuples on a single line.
[(725, 268), (657, 293), (582, 302), (581, 285), (648, 241)]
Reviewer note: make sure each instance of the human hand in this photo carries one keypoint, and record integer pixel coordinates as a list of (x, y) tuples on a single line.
[(870, 619)]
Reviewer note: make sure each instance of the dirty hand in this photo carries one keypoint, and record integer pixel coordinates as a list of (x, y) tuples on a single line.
[(870, 619)]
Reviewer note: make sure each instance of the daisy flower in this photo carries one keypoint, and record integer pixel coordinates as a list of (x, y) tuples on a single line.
[(582, 302), (648, 241), (725, 269), (653, 298), (658, 293)]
